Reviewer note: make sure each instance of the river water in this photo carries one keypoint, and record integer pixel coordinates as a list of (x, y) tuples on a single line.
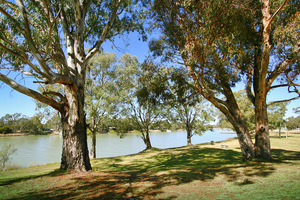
[(38, 150)]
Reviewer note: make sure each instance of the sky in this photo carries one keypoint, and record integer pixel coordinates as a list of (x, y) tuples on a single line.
[(12, 101)]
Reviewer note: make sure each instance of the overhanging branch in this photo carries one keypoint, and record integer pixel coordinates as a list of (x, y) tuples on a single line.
[(31, 93), (282, 101), (284, 85)]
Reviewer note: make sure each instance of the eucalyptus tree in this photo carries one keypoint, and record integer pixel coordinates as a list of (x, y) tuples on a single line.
[(146, 106), (221, 41), (201, 36), (53, 41), (99, 91), (276, 113), (106, 88), (274, 61), (187, 107)]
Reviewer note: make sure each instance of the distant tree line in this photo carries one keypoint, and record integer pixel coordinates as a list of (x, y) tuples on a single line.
[(19, 123)]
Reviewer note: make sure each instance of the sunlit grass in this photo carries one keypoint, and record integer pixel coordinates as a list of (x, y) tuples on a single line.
[(193, 172)]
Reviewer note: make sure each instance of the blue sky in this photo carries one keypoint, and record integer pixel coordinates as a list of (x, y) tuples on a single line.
[(14, 102)]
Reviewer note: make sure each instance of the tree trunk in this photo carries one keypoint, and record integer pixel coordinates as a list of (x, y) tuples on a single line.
[(235, 117), (280, 130), (75, 155), (261, 87), (146, 139), (93, 149), (262, 138), (229, 108), (189, 135)]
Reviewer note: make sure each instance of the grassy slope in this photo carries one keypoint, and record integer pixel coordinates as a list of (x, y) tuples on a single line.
[(195, 172)]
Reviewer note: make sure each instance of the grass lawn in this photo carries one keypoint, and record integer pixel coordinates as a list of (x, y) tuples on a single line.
[(194, 172)]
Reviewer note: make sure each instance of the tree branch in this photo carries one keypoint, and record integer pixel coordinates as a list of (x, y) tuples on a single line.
[(15, 22), (62, 98), (282, 101), (275, 14), (283, 85), (249, 84), (31, 93), (98, 44), (28, 36)]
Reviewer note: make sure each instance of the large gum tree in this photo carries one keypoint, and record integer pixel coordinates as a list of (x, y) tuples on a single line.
[(222, 42), (274, 62), (53, 41), (199, 37)]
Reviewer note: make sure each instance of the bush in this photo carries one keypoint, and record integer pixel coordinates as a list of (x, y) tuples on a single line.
[(5, 153), (5, 129)]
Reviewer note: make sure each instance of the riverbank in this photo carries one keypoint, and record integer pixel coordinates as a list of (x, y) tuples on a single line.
[(191, 172), (30, 134)]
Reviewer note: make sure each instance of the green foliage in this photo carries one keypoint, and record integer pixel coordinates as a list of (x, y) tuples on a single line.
[(276, 113), (108, 85), (247, 109), (187, 106), (146, 105), (122, 126), (293, 123), (217, 43), (21, 123), (5, 154), (5, 129), (163, 125)]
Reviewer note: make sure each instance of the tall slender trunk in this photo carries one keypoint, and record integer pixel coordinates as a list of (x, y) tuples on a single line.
[(188, 135), (93, 149), (280, 130), (261, 87), (75, 155)]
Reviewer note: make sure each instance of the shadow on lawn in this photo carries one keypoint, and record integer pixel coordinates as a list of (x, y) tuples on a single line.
[(28, 177), (145, 176)]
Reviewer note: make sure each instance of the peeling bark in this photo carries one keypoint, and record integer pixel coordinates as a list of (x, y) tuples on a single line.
[(75, 155)]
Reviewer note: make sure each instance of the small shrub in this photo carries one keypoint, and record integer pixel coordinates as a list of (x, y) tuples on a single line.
[(5, 153), (212, 142)]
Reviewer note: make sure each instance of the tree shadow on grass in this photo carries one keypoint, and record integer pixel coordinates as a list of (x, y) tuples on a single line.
[(9, 181), (145, 176), (280, 155)]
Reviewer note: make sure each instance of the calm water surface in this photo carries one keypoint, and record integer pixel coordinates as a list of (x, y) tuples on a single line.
[(37, 150)]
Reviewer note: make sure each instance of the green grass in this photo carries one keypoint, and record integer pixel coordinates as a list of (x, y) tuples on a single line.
[(194, 172)]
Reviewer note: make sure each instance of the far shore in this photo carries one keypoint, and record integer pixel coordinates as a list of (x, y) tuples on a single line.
[(27, 134), (57, 133)]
